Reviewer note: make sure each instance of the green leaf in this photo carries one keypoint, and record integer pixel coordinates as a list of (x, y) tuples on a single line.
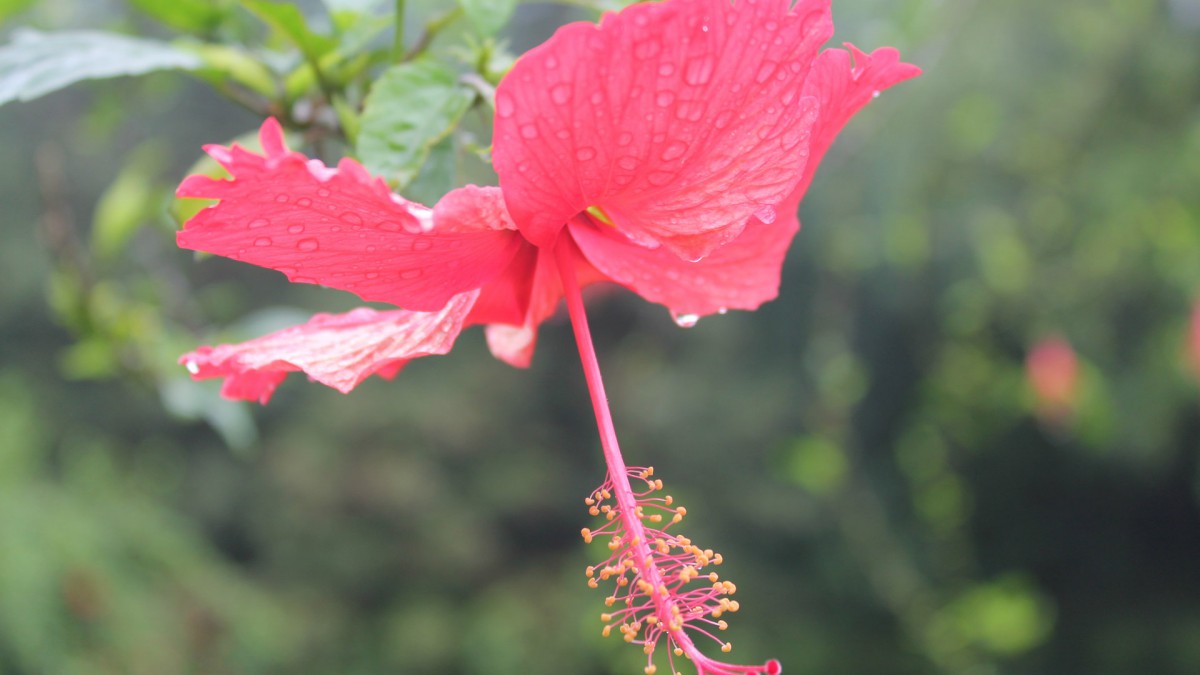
[(289, 20), (130, 201), (411, 107), (190, 16), (488, 16), (35, 64), (13, 7)]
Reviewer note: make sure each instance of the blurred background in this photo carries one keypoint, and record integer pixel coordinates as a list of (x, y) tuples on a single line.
[(963, 440)]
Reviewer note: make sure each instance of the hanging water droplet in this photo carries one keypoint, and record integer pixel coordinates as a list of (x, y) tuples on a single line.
[(723, 310), (192, 367), (296, 228), (875, 94), (410, 274), (263, 241), (258, 222), (561, 93), (308, 245), (685, 320)]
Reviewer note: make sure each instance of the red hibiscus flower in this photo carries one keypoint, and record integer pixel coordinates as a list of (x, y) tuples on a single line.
[(666, 150)]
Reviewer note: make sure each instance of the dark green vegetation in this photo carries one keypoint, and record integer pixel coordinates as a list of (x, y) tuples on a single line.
[(864, 451)]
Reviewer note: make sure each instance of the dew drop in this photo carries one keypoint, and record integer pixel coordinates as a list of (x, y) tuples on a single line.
[(664, 98), (529, 131), (258, 222), (192, 367), (723, 119), (410, 274), (765, 71), (504, 105), (627, 163), (263, 241), (351, 218), (303, 202), (372, 275), (308, 245), (323, 192), (295, 229), (699, 71), (723, 310), (674, 150), (524, 166), (282, 199), (422, 244), (562, 134), (585, 153), (625, 138), (561, 93), (372, 249), (685, 320), (875, 94), (666, 69), (551, 63), (389, 226)]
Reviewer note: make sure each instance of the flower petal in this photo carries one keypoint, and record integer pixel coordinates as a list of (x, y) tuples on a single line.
[(338, 227), (338, 350), (679, 119), (743, 274), (844, 87)]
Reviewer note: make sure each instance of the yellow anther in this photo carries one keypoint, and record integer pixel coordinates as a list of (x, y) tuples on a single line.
[(650, 669), (594, 511), (614, 543), (656, 518), (734, 606), (717, 559), (607, 631), (590, 570), (648, 648), (662, 590), (727, 647), (712, 576), (652, 620), (589, 501), (606, 617), (608, 602), (668, 500), (592, 583), (678, 652), (622, 581), (722, 625), (611, 515), (730, 588), (657, 483), (649, 471), (683, 512), (587, 535)]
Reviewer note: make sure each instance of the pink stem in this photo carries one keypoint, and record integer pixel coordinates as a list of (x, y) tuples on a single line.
[(617, 474)]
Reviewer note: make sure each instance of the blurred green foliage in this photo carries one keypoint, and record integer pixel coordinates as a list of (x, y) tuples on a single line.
[(866, 452)]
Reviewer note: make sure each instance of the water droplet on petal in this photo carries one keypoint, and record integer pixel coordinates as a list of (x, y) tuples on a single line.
[(561, 93), (660, 178), (585, 153), (723, 119), (372, 275), (529, 131), (875, 94), (625, 138), (699, 70), (524, 166), (410, 274), (389, 226), (192, 367), (765, 71), (422, 244), (351, 218), (647, 49), (685, 320), (666, 69), (295, 229), (303, 202), (674, 150), (664, 98), (551, 63), (258, 222), (323, 192), (627, 163), (282, 199), (723, 310), (308, 245), (263, 241), (504, 105)]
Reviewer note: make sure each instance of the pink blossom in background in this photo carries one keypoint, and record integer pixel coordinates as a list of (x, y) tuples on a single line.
[(1193, 339), (1052, 370), (665, 150)]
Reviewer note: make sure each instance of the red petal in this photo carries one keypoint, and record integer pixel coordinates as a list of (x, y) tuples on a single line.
[(843, 89), (514, 343), (339, 350), (338, 227), (743, 274), (680, 119)]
